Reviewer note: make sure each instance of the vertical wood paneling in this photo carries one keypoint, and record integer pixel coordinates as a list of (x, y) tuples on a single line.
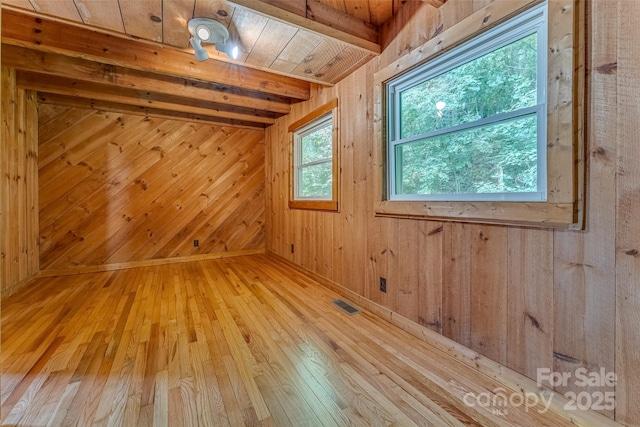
[(18, 185), (584, 262), (627, 206), (119, 188), (489, 291), (430, 262), (528, 298), (456, 288)]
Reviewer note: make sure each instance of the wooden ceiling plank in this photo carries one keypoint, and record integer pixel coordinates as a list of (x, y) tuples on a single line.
[(321, 55), (219, 10), (84, 70), (268, 48), (245, 29), (339, 67), (103, 14), (24, 4), (85, 103), (142, 18), (69, 87), (65, 9), (50, 35), (296, 51), (320, 19), (176, 14)]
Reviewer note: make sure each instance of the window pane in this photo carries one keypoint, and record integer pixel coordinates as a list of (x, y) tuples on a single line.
[(315, 180), (497, 158), (317, 145), (501, 81)]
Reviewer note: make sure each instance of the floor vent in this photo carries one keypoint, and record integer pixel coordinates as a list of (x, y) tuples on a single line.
[(349, 309)]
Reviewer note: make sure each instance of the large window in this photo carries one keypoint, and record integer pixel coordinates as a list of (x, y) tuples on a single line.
[(484, 122), (471, 124), (313, 160)]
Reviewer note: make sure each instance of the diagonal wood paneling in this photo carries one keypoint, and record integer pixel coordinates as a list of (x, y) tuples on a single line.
[(118, 188)]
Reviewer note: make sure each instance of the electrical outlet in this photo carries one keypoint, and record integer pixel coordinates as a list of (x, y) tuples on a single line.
[(196, 243), (383, 284), (292, 248)]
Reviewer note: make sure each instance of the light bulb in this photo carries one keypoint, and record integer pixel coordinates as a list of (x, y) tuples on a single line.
[(230, 49), (203, 33)]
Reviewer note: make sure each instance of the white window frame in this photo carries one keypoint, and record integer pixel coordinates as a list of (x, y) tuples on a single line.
[(314, 126), (532, 21)]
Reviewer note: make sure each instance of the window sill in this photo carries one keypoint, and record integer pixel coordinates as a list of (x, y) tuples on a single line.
[(316, 205), (543, 215)]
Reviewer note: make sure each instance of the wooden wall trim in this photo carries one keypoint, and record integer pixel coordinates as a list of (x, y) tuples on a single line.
[(507, 377), (148, 263), (11, 290)]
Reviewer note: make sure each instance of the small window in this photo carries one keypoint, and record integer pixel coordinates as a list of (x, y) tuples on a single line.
[(470, 125), (314, 159)]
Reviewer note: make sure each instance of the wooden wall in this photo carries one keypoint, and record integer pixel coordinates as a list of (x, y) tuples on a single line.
[(119, 188), (18, 185), (525, 297)]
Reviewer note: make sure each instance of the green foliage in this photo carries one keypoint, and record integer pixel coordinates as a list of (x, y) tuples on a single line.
[(496, 158), (315, 180), (315, 172), (317, 145)]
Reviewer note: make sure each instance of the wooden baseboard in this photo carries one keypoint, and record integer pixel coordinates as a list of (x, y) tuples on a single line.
[(147, 263), (6, 293), (506, 376)]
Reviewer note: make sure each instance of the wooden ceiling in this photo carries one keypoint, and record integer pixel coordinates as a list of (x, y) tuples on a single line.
[(134, 55)]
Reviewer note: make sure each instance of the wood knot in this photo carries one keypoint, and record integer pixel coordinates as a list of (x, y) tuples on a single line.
[(609, 68), (599, 152), (438, 30), (435, 231), (632, 252), (534, 321)]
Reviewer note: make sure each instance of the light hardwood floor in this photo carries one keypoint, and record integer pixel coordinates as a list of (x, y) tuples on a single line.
[(237, 341)]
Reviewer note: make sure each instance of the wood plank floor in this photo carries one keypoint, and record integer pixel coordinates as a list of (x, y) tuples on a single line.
[(230, 342)]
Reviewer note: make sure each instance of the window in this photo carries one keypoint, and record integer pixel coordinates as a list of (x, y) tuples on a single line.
[(314, 160), (486, 126), (471, 124)]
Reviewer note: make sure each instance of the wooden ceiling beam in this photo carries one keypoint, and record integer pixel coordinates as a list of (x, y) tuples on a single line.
[(89, 71), (96, 104), (55, 36), (319, 18), (136, 98)]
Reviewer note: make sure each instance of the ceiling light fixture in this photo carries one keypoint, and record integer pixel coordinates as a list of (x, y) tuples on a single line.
[(210, 31)]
